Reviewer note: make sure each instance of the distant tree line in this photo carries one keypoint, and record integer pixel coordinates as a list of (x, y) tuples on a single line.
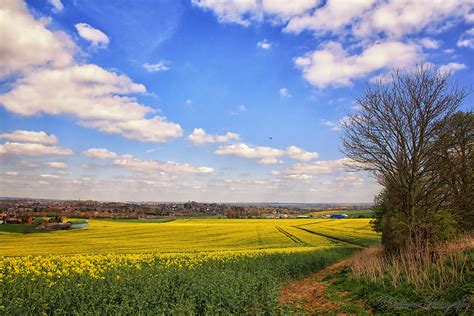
[(410, 134)]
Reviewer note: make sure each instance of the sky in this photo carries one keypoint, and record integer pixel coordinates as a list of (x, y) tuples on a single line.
[(222, 101)]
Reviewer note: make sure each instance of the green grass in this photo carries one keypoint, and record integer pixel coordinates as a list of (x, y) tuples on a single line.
[(351, 213), (19, 229)]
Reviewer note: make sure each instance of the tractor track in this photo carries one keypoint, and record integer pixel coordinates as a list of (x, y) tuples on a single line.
[(330, 237), (292, 237)]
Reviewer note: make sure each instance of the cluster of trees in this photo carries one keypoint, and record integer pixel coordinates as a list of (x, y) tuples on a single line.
[(411, 135)]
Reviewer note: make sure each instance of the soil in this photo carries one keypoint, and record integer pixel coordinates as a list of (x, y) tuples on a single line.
[(308, 294)]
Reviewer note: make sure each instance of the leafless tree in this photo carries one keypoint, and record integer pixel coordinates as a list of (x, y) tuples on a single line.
[(396, 136)]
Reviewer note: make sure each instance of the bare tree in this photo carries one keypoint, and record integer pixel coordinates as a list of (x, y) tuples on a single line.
[(396, 136)]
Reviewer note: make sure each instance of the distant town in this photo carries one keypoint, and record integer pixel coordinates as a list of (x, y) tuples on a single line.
[(26, 207)]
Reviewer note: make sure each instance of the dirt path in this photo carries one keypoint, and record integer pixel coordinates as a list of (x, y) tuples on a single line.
[(308, 293)]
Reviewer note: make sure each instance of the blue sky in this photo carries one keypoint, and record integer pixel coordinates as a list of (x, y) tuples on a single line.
[(204, 100)]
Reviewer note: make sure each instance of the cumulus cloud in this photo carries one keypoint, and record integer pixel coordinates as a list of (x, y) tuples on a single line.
[(330, 18), (87, 91), (398, 18), (333, 65), (160, 66), (31, 149), (297, 153), (131, 162), (199, 137), (370, 18), (284, 92), (103, 99), (246, 11), (451, 67), (265, 155), (49, 176), (30, 137), (156, 129), (26, 42), (466, 39), (57, 5), (91, 34), (317, 167), (99, 153), (430, 43), (366, 20), (57, 165), (264, 44), (93, 94)]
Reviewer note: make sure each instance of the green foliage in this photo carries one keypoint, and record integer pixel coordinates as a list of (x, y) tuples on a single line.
[(242, 286)]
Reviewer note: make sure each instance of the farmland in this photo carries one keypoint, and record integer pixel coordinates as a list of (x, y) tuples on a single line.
[(189, 265)]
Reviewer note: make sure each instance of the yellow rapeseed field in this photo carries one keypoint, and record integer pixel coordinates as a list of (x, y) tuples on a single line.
[(167, 267), (187, 235)]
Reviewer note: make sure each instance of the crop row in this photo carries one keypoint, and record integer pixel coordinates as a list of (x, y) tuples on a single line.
[(210, 283)]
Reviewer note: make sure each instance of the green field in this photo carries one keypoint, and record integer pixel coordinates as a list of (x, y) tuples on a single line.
[(350, 213), (190, 266)]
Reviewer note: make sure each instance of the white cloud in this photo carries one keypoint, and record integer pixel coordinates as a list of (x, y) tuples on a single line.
[(91, 34), (303, 177), (430, 43), (245, 11), (49, 176), (30, 149), (26, 42), (398, 18), (130, 162), (332, 65), (466, 39), (57, 5), (265, 155), (451, 67), (87, 91), (317, 167), (156, 129), (284, 92), (284, 10), (370, 18), (199, 136), (299, 154), (337, 125), (100, 97), (99, 153), (11, 173), (331, 17), (57, 165), (92, 94), (160, 66), (264, 44), (30, 137)]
